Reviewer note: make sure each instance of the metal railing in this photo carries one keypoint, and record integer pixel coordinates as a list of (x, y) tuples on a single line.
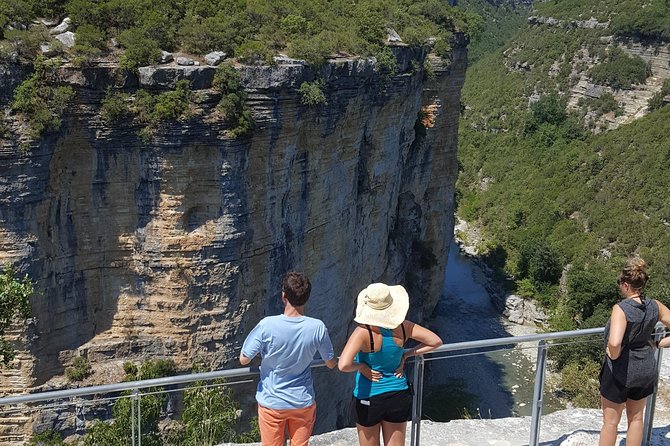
[(418, 381)]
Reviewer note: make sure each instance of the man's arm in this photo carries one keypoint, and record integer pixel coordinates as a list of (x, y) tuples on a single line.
[(252, 345), (326, 349)]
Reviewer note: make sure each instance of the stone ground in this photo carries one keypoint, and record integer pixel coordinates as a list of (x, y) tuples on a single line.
[(570, 427)]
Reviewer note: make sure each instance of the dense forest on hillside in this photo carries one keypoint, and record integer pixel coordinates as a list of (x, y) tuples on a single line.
[(562, 202), (251, 31)]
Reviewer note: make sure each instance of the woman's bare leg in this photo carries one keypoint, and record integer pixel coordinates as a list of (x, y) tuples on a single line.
[(611, 417), (394, 433), (368, 436), (635, 415)]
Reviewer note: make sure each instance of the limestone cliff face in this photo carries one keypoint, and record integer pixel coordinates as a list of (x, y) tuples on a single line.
[(175, 248)]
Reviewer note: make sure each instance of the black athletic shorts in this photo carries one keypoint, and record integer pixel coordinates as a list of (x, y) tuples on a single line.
[(613, 391), (393, 407)]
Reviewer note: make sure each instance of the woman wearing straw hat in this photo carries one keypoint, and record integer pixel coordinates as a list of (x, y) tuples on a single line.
[(382, 400)]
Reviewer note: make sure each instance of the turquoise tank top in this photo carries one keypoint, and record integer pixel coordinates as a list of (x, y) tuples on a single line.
[(386, 361)]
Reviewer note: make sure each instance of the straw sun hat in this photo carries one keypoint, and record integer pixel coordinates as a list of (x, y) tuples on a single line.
[(382, 305)]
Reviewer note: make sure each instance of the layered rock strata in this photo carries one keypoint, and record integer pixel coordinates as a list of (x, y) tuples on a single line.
[(175, 248)]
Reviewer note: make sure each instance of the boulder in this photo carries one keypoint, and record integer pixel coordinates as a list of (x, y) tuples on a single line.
[(215, 58), (392, 36), (64, 26), (66, 38), (520, 310), (166, 57), (48, 50), (283, 59), (185, 61)]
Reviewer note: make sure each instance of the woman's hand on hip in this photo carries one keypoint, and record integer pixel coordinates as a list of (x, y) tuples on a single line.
[(400, 371), (370, 375)]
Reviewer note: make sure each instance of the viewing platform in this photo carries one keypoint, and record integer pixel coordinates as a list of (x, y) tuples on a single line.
[(568, 427)]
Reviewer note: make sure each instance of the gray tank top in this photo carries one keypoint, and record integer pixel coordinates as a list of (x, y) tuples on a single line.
[(636, 366)]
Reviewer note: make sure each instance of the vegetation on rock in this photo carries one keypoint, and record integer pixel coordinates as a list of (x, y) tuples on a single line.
[(251, 31), (79, 370), (620, 70), (311, 93), (15, 293), (232, 105), (40, 102)]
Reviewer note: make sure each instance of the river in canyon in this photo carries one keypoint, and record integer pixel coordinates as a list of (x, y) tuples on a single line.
[(492, 385)]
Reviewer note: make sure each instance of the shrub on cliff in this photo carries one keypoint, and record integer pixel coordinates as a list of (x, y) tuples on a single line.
[(620, 71), (150, 110), (79, 370), (254, 52), (386, 65), (657, 101), (115, 106), (232, 105), (15, 293), (39, 101), (311, 93)]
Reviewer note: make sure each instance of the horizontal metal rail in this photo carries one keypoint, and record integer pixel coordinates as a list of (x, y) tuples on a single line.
[(250, 371), (513, 340)]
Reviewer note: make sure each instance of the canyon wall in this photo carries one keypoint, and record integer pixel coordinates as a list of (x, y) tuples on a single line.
[(174, 248)]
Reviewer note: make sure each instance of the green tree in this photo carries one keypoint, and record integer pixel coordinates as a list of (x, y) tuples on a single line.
[(549, 109), (15, 296), (140, 50), (210, 415)]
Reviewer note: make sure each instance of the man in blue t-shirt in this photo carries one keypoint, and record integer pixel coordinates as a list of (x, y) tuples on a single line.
[(287, 344)]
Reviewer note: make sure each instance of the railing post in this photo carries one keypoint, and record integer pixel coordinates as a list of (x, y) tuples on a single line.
[(135, 398), (132, 418), (651, 401), (417, 400), (538, 393), (139, 418)]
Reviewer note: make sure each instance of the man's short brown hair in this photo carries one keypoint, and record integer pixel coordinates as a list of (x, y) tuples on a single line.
[(296, 288)]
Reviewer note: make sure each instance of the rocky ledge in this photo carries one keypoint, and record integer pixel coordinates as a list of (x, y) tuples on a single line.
[(571, 427)]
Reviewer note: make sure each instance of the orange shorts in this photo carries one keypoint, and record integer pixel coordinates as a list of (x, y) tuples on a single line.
[(273, 424)]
